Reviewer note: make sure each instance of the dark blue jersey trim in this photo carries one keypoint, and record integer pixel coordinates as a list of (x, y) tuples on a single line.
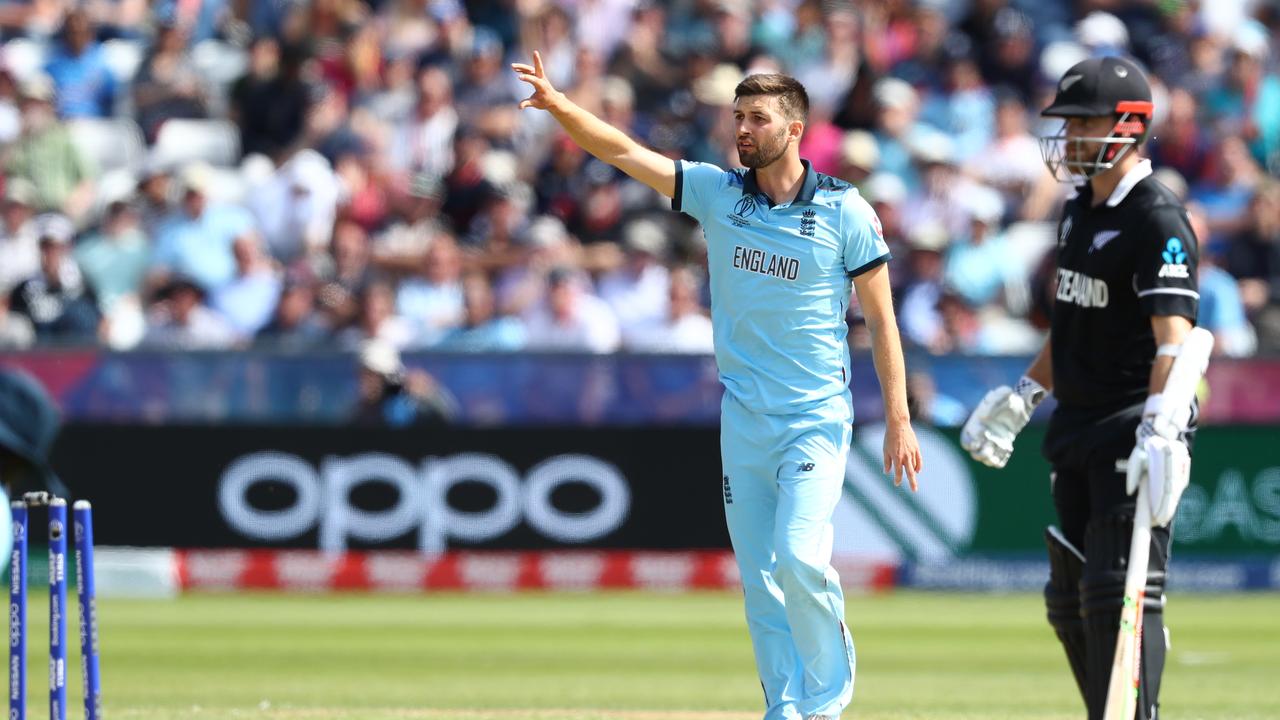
[(871, 265), (678, 198)]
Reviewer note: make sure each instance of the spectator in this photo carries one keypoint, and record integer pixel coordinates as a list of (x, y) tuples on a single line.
[(180, 320), (486, 97), (965, 109), (16, 332), (154, 197), (61, 308), (295, 325), (684, 327), (114, 259), (887, 194), (1248, 103), (920, 317), (831, 76), (637, 291), (196, 239), (402, 246), (46, 156), (19, 246), (641, 57), (466, 187), (78, 67), (931, 406), (978, 264), (377, 319), (168, 85), (898, 130), (1220, 310), (1253, 258), (1181, 142), (433, 300), (362, 196), (1011, 161), (423, 142), (571, 319), (249, 300), (391, 396), (270, 102), (296, 208), (938, 197), (547, 245), (859, 157), (482, 328), (10, 112), (344, 281), (1008, 56)]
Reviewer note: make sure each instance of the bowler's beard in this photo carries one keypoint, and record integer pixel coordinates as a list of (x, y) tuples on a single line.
[(764, 152)]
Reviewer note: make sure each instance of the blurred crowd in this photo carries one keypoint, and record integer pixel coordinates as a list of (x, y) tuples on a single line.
[(215, 174)]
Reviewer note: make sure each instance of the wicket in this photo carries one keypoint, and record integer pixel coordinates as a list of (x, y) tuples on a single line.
[(83, 531)]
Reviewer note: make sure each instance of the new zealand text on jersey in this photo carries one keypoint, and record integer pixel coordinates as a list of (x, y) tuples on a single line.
[(1082, 290), (759, 261)]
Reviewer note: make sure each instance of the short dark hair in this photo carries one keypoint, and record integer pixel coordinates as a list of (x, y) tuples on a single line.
[(793, 99)]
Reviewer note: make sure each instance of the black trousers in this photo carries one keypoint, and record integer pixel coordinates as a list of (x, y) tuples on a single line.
[(1095, 515)]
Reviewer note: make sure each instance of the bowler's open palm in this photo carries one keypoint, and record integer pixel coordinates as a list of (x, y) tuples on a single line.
[(543, 93)]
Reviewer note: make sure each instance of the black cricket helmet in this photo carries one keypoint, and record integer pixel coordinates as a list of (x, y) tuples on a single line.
[(1098, 87)]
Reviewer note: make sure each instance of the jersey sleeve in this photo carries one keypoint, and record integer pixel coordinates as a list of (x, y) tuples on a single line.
[(695, 184), (1167, 260), (862, 235)]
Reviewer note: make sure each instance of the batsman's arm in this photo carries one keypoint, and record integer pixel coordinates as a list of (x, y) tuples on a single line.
[(595, 135), (1170, 330), (901, 448), (1041, 368)]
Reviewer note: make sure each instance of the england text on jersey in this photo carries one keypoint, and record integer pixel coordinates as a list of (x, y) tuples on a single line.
[(759, 261)]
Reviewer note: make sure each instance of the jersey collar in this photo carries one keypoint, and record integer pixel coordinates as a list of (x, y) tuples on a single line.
[(1127, 183), (807, 189)]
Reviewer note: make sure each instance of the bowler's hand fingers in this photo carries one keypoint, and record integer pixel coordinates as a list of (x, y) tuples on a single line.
[(912, 465), (537, 64)]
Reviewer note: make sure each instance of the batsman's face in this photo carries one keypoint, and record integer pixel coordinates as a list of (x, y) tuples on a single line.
[(1086, 127), (763, 133)]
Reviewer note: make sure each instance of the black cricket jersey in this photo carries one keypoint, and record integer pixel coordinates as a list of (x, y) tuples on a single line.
[(1119, 263)]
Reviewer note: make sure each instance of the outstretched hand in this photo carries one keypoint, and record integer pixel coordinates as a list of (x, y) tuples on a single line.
[(544, 94), (902, 454)]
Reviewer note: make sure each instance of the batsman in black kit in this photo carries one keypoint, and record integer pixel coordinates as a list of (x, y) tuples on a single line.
[(1125, 301)]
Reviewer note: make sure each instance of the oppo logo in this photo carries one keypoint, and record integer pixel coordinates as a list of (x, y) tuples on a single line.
[(322, 498)]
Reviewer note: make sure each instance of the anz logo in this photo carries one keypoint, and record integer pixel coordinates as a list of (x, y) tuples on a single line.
[(1175, 260)]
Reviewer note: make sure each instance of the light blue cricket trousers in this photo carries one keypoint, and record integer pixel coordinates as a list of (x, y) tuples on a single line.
[(783, 477)]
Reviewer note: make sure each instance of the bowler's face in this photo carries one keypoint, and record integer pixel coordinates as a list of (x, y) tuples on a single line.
[(761, 130)]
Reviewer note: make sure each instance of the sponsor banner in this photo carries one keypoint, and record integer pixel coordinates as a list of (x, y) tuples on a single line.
[(313, 571), (582, 488), (335, 489), (1029, 575)]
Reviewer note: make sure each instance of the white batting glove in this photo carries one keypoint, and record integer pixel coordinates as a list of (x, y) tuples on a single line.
[(1161, 458), (989, 432)]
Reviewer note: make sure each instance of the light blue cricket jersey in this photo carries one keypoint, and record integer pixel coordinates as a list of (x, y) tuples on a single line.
[(781, 278)]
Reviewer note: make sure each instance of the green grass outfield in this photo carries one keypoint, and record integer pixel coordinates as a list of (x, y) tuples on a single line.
[(624, 656)]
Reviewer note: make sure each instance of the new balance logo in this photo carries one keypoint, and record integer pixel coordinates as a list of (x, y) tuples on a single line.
[(806, 467)]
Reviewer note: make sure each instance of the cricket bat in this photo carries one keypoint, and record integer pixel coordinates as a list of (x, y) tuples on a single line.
[(1179, 390)]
